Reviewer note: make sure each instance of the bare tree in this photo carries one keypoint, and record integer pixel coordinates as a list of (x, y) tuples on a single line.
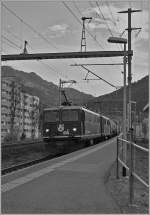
[(34, 116), (14, 108)]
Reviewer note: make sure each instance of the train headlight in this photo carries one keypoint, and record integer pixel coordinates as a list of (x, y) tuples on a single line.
[(47, 130), (74, 129)]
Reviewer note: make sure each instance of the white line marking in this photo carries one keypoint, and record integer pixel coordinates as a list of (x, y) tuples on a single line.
[(29, 177)]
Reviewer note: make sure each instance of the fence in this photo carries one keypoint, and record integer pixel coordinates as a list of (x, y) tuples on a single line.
[(130, 149)]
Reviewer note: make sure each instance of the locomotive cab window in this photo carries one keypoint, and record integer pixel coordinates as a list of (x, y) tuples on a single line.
[(51, 116), (69, 115)]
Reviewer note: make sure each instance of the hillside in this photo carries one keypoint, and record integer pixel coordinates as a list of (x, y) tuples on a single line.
[(112, 103), (46, 91), (109, 104)]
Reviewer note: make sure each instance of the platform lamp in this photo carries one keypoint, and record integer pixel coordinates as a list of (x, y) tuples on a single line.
[(123, 41)]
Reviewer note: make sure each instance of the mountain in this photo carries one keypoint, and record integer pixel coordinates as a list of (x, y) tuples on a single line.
[(46, 91), (112, 104)]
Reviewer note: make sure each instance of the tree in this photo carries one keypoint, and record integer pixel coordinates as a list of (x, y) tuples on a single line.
[(14, 108), (34, 116), (41, 108)]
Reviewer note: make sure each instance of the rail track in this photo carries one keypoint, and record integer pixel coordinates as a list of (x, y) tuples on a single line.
[(26, 164), (13, 168)]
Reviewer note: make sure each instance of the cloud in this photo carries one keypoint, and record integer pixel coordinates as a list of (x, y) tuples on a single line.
[(58, 30), (103, 12), (104, 17), (99, 24), (95, 25)]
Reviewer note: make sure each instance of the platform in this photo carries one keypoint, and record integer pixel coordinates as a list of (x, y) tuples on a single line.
[(73, 183)]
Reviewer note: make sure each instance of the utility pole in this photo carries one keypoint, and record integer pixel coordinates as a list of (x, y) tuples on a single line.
[(83, 39), (124, 112), (129, 29), (124, 97)]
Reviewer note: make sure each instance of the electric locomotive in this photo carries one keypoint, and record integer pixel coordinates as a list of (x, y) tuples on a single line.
[(65, 124)]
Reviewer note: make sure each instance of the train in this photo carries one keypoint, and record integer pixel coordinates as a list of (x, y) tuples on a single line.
[(64, 125)]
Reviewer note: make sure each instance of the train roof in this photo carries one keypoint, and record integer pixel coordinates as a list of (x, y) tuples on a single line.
[(63, 107), (74, 107)]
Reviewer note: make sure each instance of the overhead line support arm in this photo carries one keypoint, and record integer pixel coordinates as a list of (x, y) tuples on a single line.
[(62, 55), (98, 77)]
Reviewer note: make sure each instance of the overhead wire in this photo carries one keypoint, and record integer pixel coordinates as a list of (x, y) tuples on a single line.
[(15, 36), (51, 68), (11, 42), (91, 5), (122, 33), (19, 47), (40, 35), (78, 20), (35, 31), (89, 71), (108, 28), (10, 45), (81, 14), (75, 5), (104, 18), (29, 26), (105, 21), (79, 11), (113, 19)]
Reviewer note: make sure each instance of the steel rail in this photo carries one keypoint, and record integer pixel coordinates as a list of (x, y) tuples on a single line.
[(18, 145), (23, 165)]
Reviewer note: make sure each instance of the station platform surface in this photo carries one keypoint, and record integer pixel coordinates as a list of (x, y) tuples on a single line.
[(73, 183)]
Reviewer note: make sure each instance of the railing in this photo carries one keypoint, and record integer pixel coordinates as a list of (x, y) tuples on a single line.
[(130, 160)]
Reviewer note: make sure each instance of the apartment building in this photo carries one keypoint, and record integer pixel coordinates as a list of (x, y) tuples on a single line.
[(19, 110), (30, 115)]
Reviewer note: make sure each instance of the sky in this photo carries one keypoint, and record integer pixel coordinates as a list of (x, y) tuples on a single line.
[(56, 26)]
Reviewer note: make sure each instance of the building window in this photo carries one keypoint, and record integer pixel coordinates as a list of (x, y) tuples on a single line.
[(4, 130)]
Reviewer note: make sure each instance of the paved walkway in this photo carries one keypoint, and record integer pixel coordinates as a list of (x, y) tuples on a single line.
[(73, 183)]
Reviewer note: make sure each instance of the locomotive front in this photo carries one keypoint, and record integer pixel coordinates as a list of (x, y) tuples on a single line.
[(61, 124)]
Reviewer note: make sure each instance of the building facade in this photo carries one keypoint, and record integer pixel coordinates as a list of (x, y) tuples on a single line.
[(19, 110), (30, 115)]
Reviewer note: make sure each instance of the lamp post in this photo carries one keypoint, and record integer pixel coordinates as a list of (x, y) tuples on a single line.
[(123, 41)]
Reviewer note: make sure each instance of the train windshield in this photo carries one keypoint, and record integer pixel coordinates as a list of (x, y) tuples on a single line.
[(51, 116), (69, 115)]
